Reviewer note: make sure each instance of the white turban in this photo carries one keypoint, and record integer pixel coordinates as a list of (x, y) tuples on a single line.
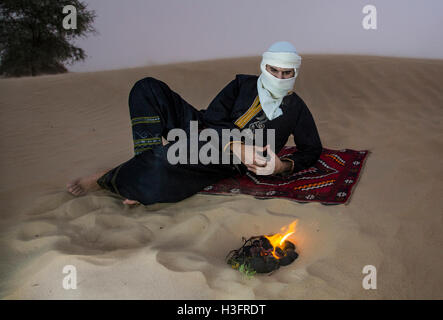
[(271, 90)]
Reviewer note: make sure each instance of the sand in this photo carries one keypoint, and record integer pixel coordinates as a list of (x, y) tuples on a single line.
[(56, 128)]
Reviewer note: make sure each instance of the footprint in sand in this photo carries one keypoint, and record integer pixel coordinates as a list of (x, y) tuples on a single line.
[(183, 234), (86, 225)]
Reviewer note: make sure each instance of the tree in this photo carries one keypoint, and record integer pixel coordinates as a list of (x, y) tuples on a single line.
[(33, 40)]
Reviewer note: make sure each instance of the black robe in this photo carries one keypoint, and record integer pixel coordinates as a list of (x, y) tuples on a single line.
[(155, 109), (236, 99)]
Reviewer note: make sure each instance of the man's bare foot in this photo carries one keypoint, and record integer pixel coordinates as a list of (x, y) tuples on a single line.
[(81, 186), (127, 201)]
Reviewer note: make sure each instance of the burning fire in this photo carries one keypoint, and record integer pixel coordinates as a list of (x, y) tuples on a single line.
[(277, 240)]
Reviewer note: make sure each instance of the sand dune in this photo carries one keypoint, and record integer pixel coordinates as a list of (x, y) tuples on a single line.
[(55, 128)]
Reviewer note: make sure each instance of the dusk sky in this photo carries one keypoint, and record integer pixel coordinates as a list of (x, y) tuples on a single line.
[(146, 32)]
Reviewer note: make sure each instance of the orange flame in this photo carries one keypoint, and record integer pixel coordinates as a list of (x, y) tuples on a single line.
[(277, 240)]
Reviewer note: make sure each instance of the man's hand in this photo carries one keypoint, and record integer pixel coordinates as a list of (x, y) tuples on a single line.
[(248, 155), (257, 163)]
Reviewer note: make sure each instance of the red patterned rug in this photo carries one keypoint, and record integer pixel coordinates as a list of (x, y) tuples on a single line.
[(329, 181)]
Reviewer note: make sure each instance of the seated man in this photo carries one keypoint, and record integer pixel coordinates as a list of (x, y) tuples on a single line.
[(248, 101)]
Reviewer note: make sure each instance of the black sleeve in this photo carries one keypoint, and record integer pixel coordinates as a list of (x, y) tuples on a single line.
[(218, 113), (307, 140)]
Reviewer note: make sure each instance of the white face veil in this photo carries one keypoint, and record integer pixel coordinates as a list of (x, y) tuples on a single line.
[(272, 90)]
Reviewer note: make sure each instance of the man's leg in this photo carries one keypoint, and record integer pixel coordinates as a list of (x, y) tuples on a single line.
[(155, 109), (150, 178)]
